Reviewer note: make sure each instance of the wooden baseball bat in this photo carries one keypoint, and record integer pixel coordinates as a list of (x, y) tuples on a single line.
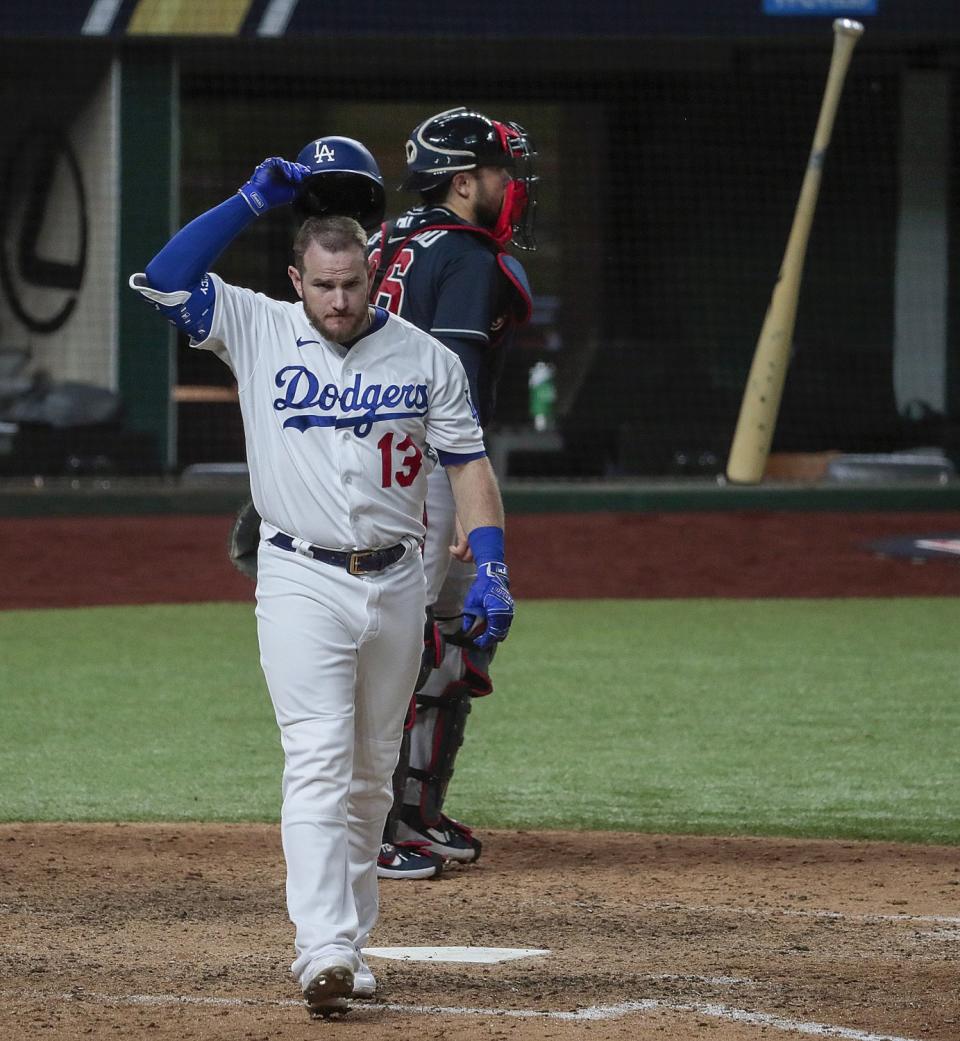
[(764, 389)]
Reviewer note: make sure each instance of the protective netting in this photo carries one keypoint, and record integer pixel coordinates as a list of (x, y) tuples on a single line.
[(670, 168), (665, 202)]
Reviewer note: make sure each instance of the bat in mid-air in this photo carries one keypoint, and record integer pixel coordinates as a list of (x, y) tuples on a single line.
[(764, 389)]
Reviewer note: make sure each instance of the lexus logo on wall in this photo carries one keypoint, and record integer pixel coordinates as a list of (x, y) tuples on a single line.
[(44, 230)]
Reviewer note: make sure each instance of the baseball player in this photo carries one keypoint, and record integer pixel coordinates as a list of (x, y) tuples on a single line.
[(346, 410), (444, 267)]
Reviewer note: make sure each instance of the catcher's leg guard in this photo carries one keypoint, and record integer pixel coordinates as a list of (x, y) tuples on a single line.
[(431, 658), (397, 858), (437, 735)]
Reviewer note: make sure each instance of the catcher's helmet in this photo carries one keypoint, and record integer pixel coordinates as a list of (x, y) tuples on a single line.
[(346, 182), (461, 139)]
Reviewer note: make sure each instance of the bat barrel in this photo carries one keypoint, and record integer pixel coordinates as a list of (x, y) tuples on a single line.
[(847, 27), (761, 399)]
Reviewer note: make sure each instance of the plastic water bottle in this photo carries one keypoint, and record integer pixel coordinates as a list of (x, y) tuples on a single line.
[(543, 395)]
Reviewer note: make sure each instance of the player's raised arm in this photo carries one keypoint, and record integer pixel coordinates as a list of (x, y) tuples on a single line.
[(174, 280), (488, 607), (275, 182)]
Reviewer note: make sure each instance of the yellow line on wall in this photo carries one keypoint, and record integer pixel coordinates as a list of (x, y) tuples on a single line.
[(188, 17)]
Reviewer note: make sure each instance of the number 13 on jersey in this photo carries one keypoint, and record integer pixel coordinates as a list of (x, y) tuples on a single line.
[(409, 458)]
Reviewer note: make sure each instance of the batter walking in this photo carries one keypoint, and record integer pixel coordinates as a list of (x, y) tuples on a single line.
[(346, 410)]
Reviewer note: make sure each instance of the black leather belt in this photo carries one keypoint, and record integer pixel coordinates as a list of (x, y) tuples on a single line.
[(360, 562)]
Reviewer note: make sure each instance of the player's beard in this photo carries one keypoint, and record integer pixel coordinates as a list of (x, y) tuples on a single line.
[(339, 329), (487, 208)]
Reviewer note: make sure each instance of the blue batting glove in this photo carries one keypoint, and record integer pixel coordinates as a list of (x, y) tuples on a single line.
[(275, 182), (488, 606)]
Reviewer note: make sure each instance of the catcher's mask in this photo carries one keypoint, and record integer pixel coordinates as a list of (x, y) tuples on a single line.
[(458, 140), (346, 182)]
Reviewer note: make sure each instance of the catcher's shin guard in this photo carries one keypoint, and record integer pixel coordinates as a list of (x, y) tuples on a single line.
[(443, 705)]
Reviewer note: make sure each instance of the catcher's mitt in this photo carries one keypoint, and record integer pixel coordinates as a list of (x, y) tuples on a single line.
[(244, 540)]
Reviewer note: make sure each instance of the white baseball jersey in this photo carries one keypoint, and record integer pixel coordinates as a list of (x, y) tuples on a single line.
[(340, 441)]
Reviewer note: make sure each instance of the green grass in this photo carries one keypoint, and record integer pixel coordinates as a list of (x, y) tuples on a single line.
[(776, 717)]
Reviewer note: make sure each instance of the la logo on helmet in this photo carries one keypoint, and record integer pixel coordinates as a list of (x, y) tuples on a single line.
[(323, 153)]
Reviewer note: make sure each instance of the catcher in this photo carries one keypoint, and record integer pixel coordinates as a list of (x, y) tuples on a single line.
[(444, 266)]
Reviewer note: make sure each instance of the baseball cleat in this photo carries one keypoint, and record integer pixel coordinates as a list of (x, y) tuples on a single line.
[(364, 981), (448, 838), (328, 988), (408, 860), (329, 1008)]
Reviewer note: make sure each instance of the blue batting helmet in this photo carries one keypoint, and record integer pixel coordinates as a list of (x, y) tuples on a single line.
[(346, 182)]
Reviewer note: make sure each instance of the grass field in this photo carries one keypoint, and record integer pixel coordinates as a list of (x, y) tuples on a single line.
[(775, 717)]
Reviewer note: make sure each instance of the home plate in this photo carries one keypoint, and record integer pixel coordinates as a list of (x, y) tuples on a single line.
[(478, 955)]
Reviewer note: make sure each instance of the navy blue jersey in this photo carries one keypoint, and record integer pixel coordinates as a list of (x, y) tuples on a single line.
[(454, 281)]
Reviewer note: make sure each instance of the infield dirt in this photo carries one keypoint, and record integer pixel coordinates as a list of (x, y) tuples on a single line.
[(179, 932)]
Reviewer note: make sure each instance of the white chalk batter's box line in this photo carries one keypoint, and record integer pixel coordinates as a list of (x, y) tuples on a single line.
[(759, 912), (773, 912), (593, 1014)]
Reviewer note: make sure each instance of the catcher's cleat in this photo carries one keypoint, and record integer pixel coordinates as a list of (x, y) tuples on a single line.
[(328, 988), (408, 860), (448, 838)]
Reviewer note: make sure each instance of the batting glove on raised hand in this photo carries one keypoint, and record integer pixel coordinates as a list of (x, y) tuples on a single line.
[(488, 607), (275, 182)]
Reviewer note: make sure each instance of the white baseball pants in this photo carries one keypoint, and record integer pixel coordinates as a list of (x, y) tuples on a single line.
[(340, 654)]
